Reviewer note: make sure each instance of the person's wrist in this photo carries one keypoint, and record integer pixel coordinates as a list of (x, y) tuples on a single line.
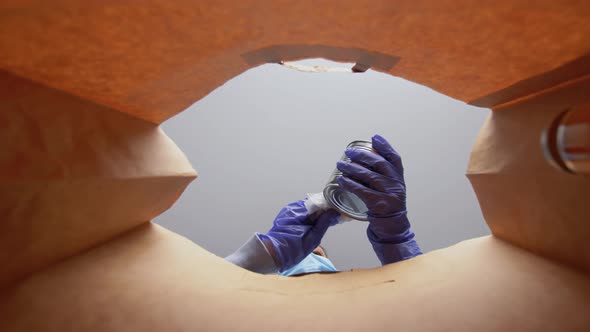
[(391, 228), (387, 214), (267, 241)]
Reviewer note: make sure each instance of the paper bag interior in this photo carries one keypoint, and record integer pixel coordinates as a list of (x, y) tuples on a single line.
[(84, 166)]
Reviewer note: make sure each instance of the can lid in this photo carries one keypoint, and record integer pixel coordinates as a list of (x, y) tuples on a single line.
[(346, 202), (360, 143)]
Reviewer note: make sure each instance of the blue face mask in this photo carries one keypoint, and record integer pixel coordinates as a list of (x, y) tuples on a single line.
[(311, 263)]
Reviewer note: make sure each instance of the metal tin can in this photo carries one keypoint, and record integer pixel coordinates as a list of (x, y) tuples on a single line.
[(344, 201), (566, 142)]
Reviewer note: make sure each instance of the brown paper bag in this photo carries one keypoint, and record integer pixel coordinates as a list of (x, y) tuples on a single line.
[(84, 166)]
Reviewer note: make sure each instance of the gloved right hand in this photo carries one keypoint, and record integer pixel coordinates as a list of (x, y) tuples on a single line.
[(295, 233), (378, 180)]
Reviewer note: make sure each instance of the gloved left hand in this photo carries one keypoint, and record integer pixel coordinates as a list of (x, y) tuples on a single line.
[(378, 179), (295, 233)]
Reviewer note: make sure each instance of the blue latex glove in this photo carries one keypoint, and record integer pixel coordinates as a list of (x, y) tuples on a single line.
[(295, 234), (378, 180)]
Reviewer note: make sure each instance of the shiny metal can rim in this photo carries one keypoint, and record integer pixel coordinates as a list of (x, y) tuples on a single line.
[(329, 195)]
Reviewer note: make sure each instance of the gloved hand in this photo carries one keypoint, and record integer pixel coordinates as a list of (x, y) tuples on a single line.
[(295, 233), (378, 180)]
